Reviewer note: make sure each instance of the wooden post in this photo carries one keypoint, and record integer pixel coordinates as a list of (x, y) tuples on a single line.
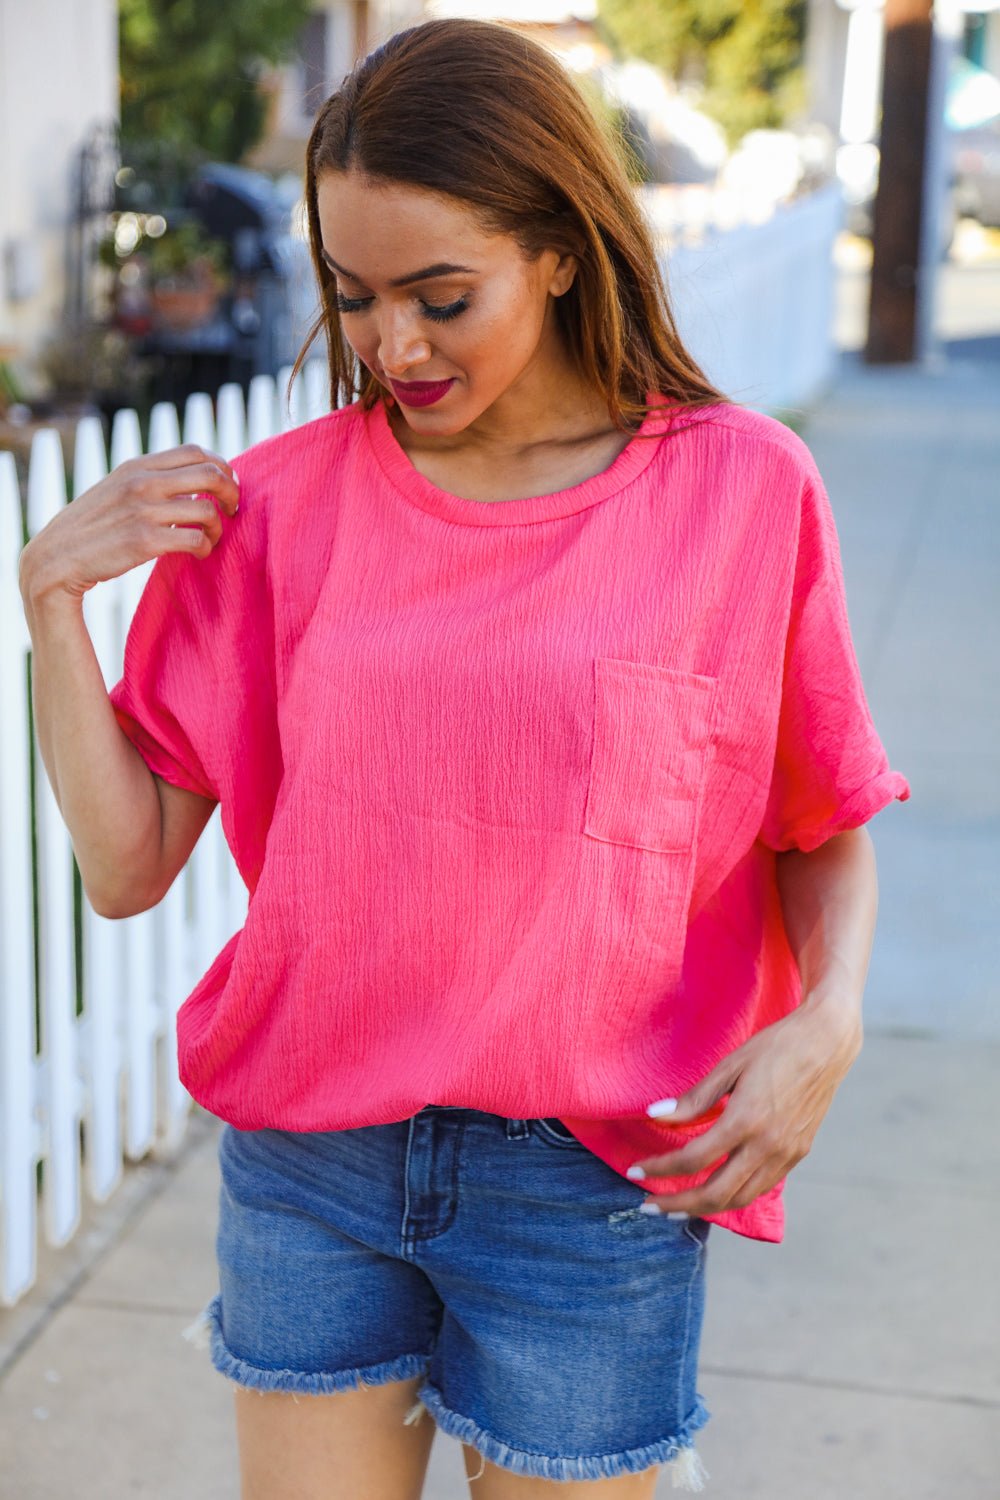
[(897, 274)]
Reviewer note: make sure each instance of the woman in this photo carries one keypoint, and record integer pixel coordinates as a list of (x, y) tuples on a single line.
[(525, 683)]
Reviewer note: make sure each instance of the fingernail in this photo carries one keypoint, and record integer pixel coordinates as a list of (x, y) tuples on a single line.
[(236, 507), (661, 1107), (650, 1208), (636, 1173), (678, 1216), (237, 478)]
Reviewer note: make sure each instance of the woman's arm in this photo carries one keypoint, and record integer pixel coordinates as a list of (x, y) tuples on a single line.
[(782, 1081), (109, 799), (829, 899), (132, 832)]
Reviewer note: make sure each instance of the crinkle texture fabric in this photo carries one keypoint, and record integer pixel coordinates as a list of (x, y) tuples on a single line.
[(506, 781)]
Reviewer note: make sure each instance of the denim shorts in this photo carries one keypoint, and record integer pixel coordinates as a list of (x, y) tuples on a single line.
[(555, 1327)]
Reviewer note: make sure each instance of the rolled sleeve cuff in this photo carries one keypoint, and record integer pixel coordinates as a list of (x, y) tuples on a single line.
[(159, 760), (889, 786)]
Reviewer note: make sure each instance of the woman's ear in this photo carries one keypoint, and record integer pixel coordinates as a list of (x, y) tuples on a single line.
[(564, 275)]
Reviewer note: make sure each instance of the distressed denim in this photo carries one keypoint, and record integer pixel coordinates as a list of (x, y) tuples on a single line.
[(556, 1328)]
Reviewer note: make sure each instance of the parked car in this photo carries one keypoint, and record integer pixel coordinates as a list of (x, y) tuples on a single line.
[(858, 169), (977, 173)]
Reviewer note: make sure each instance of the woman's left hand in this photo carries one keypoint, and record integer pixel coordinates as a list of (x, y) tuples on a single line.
[(781, 1084)]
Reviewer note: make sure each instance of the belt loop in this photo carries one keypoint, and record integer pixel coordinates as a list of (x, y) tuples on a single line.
[(517, 1129)]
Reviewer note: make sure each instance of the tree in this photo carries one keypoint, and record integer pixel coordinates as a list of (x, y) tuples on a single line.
[(745, 54), (191, 72)]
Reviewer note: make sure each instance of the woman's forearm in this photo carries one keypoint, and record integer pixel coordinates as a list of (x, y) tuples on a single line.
[(829, 899), (104, 790)]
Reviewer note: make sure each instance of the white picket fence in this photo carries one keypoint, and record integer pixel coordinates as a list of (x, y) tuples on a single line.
[(111, 1068), (753, 305)]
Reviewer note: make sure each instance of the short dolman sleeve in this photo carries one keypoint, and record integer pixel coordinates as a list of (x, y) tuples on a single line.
[(831, 771), (197, 695)]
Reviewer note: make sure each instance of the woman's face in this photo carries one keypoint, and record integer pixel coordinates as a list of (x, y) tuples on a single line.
[(426, 296)]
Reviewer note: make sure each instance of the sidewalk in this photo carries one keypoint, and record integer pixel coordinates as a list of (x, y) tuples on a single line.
[(859, 1359)]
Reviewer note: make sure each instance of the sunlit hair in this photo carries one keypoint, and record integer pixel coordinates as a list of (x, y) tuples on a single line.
[(480, 112)]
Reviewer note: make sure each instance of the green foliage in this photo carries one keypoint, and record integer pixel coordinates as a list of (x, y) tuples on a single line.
[(745, 54), (181, 247), (190, 71), (11, 389)]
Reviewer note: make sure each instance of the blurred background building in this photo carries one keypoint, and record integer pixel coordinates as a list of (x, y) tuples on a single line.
[(58, 79), (333, 37)]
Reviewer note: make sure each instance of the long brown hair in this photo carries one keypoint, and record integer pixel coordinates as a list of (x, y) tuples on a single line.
[(480, 112)]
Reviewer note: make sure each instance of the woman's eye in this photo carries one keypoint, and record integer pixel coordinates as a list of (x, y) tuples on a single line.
[(434, 311), (350, 304), (440, 314)]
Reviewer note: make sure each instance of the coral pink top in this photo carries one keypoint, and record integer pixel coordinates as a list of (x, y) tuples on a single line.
[(505, 780)]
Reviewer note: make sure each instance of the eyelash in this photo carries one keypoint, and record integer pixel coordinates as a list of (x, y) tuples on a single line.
[(436, 314)]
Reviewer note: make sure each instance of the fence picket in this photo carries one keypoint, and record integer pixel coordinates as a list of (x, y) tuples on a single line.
[(317, 388), (178, 978), (56, 928), (126, 436), (262, 412), (199, 421), (231, 423), (164, 428), (145, 1008), (140, 1034), (102, 939), (20, 1135)]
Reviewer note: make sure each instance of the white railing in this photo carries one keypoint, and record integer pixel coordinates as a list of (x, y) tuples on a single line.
[(91, 1047), (755, 303)]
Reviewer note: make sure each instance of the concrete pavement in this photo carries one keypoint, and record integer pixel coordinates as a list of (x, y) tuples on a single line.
[(860, 1359)]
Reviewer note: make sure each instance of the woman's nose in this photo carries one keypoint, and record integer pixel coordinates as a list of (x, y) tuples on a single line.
[(401, 346)]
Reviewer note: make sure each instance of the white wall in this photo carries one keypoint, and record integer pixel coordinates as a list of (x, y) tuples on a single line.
[(293, 113), (58, 78), (824, 56)]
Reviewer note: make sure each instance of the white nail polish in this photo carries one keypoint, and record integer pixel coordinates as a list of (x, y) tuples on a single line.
[(649, 1209), (636, 1173), (661, 1107), (678, 1216)]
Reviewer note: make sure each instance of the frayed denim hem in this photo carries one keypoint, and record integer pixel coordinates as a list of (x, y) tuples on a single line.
[(206, 1332), (686, 1469)]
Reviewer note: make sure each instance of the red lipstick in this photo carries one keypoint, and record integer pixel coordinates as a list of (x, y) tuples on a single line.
[(420, 392)]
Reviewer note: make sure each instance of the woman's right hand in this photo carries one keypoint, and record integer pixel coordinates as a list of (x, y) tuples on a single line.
[(161, 502)]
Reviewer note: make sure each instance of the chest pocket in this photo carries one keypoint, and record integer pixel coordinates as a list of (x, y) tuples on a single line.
[(653, 730)]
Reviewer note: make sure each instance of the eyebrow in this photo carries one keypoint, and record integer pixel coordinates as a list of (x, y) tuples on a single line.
[(440, 268)]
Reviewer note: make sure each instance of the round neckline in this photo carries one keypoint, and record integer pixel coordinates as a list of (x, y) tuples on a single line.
[(415, 487)]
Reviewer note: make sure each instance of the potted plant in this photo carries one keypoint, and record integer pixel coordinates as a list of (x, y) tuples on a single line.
[(180, 273)]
